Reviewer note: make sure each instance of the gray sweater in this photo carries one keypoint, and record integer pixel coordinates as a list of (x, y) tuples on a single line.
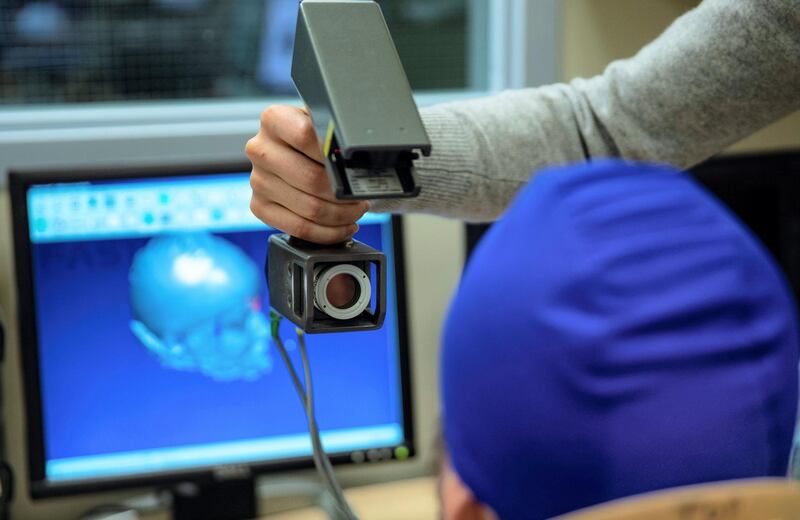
[(719, 73)]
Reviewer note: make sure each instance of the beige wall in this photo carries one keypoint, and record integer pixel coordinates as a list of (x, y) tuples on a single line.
[(597, 32)]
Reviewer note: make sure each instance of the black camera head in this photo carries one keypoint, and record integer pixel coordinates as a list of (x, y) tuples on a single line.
[(339, 288)]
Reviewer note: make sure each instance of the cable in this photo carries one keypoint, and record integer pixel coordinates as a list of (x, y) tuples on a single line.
[(321, 461), (302, 393), (323, 465), (312, 425)]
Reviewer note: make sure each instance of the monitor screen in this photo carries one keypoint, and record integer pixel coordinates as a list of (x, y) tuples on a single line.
[(144, 311)]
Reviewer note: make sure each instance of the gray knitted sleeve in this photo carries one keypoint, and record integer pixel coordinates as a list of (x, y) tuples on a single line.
[(719, 73)]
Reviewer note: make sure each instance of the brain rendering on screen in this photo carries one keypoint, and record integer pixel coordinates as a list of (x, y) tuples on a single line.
[(196, 307)]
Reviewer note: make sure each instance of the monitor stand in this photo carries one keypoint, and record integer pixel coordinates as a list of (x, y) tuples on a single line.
[(227, 500)]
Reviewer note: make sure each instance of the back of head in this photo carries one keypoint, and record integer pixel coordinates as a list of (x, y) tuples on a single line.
[(617, 332)]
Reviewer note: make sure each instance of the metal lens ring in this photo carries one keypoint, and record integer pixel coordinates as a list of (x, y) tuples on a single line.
[(363, 291)]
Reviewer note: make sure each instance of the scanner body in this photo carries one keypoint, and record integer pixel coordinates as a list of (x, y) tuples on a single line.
[(348, 73)]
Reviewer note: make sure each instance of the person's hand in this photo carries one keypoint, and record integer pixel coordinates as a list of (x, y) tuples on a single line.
[(291, 191)]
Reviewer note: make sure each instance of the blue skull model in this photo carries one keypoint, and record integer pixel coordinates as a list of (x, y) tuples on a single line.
[(196, 305)]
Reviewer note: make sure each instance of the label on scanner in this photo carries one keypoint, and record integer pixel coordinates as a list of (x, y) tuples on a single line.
[(379, 181)]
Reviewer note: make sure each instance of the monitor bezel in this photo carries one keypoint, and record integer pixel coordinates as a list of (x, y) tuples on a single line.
[(20, 181)]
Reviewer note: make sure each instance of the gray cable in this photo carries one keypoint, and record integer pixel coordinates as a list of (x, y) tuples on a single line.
[(321, 461), (302, 393), (323, 465), (315, 436), (298, 386)]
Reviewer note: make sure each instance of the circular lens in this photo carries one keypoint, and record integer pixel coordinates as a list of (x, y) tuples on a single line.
[(342, 291)]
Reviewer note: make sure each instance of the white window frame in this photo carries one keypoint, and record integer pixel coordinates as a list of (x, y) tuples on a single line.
[(523, 49)]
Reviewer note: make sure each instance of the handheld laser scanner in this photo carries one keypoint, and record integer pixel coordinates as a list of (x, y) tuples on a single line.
[(348, 73)]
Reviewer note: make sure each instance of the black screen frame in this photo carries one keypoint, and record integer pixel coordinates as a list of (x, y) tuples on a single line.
[(20, 181)]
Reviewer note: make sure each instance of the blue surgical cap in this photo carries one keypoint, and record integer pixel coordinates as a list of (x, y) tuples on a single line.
[(617, 332)]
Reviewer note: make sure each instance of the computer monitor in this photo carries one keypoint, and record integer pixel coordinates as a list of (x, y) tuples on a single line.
[(145, 337)]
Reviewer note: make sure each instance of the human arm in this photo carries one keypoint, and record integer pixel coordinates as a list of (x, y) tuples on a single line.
[(719, 73)]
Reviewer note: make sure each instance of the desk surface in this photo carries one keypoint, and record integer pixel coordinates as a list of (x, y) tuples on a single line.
[(394, 501)]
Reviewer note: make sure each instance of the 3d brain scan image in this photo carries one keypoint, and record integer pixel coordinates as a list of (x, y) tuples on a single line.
[(196, 307)]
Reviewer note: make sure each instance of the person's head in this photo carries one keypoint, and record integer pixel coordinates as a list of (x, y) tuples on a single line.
[(617, 332)]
